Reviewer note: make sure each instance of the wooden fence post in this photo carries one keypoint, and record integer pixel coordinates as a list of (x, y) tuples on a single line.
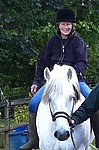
[(6, 104), (7, 125)]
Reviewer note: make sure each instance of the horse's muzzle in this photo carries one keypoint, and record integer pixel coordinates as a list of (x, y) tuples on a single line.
[(62, 134)]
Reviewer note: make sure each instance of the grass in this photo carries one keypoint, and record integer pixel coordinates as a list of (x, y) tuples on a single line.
[(93, 146)]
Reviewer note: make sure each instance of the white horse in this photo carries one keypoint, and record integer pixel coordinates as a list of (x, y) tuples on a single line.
[(60, 99)]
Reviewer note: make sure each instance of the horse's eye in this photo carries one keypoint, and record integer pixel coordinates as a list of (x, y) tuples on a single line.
[(49, 99), (74, 98)]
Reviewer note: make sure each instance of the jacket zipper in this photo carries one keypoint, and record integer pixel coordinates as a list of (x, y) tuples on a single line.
[(62, 53), (63, 50)]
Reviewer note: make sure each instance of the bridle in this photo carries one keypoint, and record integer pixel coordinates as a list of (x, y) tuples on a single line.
[(60, 114), (66, 116)]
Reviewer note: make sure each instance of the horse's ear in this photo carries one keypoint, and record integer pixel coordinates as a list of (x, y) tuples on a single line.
[(69, 74), (46, 73)]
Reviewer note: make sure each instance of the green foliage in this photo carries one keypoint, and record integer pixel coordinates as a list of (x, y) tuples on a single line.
[(25, 26), (15, 93), (41, 35), (19, 40), (90, 32), (20, 115)]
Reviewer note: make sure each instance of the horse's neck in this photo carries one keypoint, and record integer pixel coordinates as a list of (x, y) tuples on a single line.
[(78, 104)]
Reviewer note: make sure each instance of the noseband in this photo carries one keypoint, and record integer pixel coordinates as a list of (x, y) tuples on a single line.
[(61, 114)]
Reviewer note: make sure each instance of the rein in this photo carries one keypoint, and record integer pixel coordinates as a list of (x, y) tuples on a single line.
[(66, 116)]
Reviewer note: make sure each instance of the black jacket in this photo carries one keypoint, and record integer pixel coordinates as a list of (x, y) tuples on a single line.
[(73, 53)]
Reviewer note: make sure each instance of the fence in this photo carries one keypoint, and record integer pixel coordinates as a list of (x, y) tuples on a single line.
[(8, 117)]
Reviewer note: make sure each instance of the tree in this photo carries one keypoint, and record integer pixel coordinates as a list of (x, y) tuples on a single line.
[(27, 25)]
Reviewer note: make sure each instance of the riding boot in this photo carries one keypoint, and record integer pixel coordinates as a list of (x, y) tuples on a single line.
[(33, 137), (95, 125)]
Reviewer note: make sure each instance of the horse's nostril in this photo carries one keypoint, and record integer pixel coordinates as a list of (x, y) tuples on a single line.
[(67, 133), (56, 134), (61, 135)]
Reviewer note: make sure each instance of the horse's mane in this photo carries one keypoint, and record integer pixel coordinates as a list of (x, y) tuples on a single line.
[(58, 81)]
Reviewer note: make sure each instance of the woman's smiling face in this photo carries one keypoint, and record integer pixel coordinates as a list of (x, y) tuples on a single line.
[(65, 28)]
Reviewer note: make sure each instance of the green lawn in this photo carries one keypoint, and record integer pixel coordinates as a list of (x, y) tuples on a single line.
[(93, 146)]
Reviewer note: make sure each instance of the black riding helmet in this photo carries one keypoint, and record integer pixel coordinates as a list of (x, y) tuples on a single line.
[(65, 14)]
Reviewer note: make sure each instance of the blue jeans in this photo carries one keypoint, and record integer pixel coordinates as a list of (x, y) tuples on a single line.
[(85, 90), (34, 102)]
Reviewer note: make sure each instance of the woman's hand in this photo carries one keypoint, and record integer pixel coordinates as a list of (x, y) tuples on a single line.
[(34, 88)]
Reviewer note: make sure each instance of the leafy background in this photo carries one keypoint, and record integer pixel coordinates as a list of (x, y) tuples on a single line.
[(25, 26)]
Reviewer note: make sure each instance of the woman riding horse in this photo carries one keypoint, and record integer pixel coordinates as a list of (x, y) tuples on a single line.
[(66, 47)]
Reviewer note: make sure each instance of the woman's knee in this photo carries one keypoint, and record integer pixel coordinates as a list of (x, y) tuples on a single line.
[(32, 105), (85, 89), (34, 102)]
